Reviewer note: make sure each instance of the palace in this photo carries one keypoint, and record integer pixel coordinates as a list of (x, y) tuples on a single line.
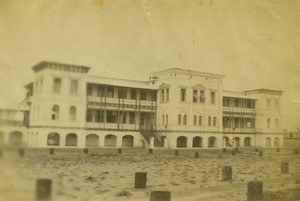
[(176, 108)]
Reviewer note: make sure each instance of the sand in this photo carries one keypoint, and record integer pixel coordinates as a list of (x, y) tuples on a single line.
[(105, 175)]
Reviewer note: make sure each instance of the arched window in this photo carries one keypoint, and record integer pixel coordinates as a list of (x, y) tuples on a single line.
[(53, 139), (214, 121), (55, 112), (179, 119), (163, 119), (276, 124), (184, 119), (200, 120), (195, 120), (268, 123), (72, 113), (209, 121), (276, 142)]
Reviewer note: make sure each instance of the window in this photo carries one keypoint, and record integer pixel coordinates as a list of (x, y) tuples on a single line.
[(182, 94), (214, 121), (184, 119), (72, 113), (268, 103), (100, 91), (132, 118), (179, 119), (226, 102), (209, 121), (162, 93), (124, 117), (195, 120), (268, 123), (276, 124), (110, 92), (202, 96), (200, 120), (111, 116), (133, 94), (121, 93), (74, 87), (57, 85), (55, 112), (89, 91), (143, 95), (163, 119), (276, 108), (167, 119), (212, 97), (41, 84), (195, 96), (167, 94)]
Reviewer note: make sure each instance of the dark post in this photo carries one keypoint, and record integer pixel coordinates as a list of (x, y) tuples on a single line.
[(140, 180), (296, 151), (226, 173), (284, 167), (86, 151), (177, 152), (150, 151), (21, 152), (224, 150), (197, 154), (261, 153), (51, 151), (43, 189), (160, 196), (255, 191), (120, 151)]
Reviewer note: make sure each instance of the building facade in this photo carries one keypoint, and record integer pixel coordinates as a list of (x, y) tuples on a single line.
[(175, 108)]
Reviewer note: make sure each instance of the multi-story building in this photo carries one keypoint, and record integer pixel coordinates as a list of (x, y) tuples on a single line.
[(175, 108)]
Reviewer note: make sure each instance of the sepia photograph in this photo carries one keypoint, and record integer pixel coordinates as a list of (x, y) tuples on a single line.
[(149, 100)]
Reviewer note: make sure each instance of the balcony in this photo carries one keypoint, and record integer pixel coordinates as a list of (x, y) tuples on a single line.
[(238, 111), (144, 105), (239, 130), (13, 123), (113, 126)]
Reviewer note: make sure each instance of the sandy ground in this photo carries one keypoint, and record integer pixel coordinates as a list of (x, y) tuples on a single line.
[(104, 175)]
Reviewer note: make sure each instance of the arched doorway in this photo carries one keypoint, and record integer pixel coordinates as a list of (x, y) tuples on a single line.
[(237, 141), (197, 142), (247, 142), (110, 140), (53, 139), (127, 141), (212, 142), (71, 139), (181, 141), (15, 138), (92, 140)]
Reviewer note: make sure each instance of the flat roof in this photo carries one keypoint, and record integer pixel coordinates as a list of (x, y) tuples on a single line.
[(189, 72), (60, 66), (120, 82)]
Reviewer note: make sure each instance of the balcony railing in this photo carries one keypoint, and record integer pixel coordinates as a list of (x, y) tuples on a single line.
[(13, 123), (239, 130)]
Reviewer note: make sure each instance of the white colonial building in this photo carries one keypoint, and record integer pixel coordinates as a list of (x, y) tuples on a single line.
[(175, 108)]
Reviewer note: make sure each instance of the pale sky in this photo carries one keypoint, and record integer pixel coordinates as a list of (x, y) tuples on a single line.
[(255, 43)]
